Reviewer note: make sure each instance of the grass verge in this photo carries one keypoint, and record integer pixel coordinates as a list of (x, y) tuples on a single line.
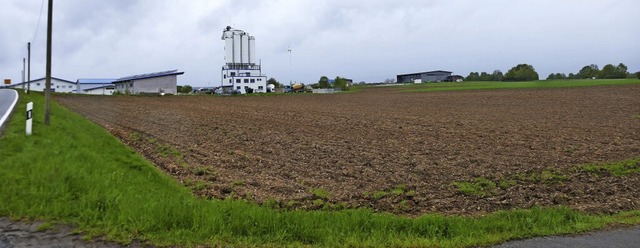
[(74, 172), (542, 84)]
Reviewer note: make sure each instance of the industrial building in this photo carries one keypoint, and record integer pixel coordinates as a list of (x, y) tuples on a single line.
[(57, 85), (429, 76), (165, 82), (240, 72), (95, 86)]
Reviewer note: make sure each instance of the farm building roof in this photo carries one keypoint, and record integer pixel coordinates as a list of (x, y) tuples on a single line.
[(95, 80), (99, 87), (426, 72), (149, 75), (39, 79)]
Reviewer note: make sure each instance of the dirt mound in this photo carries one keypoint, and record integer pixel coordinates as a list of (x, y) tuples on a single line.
[(467, 152)]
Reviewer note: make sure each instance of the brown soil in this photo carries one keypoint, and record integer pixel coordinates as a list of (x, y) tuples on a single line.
[(388, 150)]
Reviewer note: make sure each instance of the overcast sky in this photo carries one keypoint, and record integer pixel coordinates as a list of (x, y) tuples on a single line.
[(359, 39)]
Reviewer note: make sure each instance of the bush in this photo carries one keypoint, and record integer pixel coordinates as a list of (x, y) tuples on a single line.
[(521, 72), (184, 89)]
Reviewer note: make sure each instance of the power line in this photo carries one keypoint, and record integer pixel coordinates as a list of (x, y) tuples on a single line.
[(38, 25)]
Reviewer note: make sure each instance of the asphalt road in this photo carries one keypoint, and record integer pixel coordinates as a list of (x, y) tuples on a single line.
[(619, 238), (8, 99)]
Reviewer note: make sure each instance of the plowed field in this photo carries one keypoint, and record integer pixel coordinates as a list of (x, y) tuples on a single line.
[(408, 153)]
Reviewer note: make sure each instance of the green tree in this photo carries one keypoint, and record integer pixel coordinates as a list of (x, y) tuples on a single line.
[(589, 71), (188, 89), (341, 84), (620, 71), (552, 76), (274, 82), (557, 76), (497, 75), (521, 72), (485, 76), (638, 75), (323, 83), (611, 71), (608, 71), (184, 89), (473, 76)]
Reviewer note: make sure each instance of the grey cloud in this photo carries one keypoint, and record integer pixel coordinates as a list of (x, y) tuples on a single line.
[(366, 40)]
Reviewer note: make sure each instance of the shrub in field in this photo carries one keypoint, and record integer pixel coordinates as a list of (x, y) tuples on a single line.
[(521, 72)]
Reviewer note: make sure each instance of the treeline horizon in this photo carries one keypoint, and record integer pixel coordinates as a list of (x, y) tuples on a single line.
[(609, 71), (525, 72)]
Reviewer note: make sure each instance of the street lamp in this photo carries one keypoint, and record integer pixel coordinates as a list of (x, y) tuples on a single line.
[(290, 65)]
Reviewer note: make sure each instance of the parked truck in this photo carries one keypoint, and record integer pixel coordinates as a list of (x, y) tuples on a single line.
[(295, 88)]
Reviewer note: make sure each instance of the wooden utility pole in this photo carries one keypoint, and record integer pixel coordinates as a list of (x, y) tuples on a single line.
[(47, 91), (28, 67)]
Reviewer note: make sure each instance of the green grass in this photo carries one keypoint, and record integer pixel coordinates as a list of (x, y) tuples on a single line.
[(548, 176), (399, 190), (76, 173), (426, 87), (379, 195), (320, 193), (619, 169), (481, 187)]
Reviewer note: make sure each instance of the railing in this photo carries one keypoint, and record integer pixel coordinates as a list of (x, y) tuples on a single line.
[(241, 67)]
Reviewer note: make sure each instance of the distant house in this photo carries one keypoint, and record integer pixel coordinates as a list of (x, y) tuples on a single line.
[(429, 76), (57, 85), (150, 83), (95, 86)]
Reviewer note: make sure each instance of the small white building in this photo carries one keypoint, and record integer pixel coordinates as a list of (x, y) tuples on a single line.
[(151, 83), (100, 90), (57, 85), (95, 86), (240, 72)]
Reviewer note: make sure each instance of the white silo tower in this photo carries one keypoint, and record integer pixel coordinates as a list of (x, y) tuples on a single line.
[(240, 71)]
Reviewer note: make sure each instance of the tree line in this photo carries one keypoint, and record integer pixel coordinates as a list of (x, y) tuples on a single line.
[(324, 83), (338, 83), (609, 71), (521, 72), (525, 72)]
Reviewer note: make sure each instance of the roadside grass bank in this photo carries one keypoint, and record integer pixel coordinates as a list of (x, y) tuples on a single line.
[(541, 84), (74, 172)]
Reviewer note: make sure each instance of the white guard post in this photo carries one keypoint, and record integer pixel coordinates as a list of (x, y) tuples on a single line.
[(29, 117)]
